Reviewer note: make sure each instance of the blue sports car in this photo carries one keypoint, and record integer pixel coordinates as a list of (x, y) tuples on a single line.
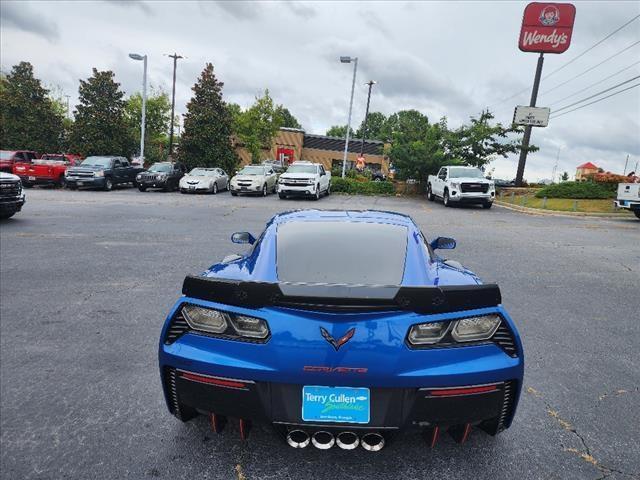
[(342, 328)]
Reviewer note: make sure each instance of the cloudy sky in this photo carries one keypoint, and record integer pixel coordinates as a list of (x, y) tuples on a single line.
[(442, 58)]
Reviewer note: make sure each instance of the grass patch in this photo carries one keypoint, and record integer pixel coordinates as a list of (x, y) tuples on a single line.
[(561, 204)]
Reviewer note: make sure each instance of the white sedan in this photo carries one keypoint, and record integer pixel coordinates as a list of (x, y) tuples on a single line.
[(204, 180), (255, 179)]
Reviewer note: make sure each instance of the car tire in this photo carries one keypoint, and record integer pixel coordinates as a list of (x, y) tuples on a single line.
[(282, 196), (430, 196), (316, 197), (141, 188), (328, 192), (108, 185), (214, 190), (4, 216), (265, 191), (487, 205), (228, 185), (445, 199), (182, 190), (62, 183), (275, 188), (636, 213), (234, 194)]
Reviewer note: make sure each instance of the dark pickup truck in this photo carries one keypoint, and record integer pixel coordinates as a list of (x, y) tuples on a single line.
[(102, 172)]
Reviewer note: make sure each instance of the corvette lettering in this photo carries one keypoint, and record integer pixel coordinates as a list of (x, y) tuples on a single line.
[(320, 369)]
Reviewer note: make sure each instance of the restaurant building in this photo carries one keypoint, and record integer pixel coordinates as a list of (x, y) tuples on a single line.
[(292, 144)]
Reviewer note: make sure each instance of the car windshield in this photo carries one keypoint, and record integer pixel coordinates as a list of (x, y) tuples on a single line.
[(160, 167), (460, 172), (252, 171), (6, 155), (302, 169), (97, 162), (353, 253), (201, 172), (52, 157)]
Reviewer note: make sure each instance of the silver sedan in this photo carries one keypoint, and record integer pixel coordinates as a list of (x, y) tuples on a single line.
[(210, 180)]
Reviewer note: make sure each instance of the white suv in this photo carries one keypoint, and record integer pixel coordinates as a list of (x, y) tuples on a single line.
[(304, 179)]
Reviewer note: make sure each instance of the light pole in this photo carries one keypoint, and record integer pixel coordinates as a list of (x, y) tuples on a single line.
[(175, 57), (353, 86), (136, 56), (371, 83)]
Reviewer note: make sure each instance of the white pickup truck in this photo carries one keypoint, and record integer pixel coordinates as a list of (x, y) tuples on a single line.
[(629, 197), (304, 179), (456, 184)]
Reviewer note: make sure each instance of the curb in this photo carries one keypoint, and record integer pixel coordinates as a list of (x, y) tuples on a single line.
[(558, 213)]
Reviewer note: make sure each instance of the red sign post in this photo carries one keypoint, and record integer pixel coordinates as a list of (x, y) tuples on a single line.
[(546, 28)]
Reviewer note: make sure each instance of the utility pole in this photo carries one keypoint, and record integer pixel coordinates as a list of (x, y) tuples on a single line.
[(175, 57), (371, 83), (527, 129), (353, 60), (625, 165)]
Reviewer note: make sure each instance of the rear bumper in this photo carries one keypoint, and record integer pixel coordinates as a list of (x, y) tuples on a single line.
[(31, 180)]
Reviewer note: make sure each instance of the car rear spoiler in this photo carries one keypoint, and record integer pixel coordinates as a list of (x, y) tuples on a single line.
[(342, 298)]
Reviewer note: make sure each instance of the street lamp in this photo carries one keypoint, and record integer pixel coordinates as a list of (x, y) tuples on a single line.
[(371, 83), (135, 56), (353, 85)]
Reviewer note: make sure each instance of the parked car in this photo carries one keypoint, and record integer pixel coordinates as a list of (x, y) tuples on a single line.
[(504, 183), (628, 197), (101, 172), (343, 348), (163, 175), (9, 157), (12, 197), (304, 179), (254, 179), (277, 166), (457, 184), (210, 180), (49, 169), (378, 176)]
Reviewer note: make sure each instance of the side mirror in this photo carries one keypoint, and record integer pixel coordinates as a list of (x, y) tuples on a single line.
[(443, 243), (244, 237)]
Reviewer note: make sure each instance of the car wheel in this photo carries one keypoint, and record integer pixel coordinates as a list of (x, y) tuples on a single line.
[(265, 192), (445, 199), (108, 185), (62, 183), (215, 188), (487, 205), (228, 185), (430, 196), (275, 188), (317, 195), (234, 194), (141, 188), (328, 192), (282, 196), (637, 213)]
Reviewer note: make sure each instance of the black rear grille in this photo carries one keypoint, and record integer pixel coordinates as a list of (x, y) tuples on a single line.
[(474, 187), (508, 400), (170, 379), (504, 338), (177, 327), (9, 189)]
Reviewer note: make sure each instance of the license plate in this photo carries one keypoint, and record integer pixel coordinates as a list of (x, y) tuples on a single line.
[(244, 189), (192, 187), (80, 183), (32, 179), (335, 404)]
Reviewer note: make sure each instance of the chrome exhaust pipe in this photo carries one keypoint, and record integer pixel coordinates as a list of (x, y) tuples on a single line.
[(347, 440), (323, 440), (372, 442), (298, 439)]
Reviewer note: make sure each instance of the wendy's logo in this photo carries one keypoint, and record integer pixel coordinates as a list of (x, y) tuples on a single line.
[(549, 16)]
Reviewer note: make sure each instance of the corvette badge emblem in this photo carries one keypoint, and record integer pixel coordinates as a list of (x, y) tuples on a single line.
[(341, 341)]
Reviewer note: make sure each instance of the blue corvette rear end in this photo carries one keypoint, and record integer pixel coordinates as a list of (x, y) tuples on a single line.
[(346, 345)]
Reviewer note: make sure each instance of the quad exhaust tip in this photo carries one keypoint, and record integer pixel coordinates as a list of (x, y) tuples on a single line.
[(323, 440), (347, 440), (372, 442), (298, 439)]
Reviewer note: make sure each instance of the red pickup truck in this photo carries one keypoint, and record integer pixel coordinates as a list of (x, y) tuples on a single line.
[(47, 170), (9, 157)]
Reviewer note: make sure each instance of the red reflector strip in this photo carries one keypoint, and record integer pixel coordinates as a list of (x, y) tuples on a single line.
[(220, 382), (450, 392)]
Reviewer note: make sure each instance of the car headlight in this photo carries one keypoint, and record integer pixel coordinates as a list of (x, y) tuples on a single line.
[(99, 173), (138, 177), (229, 325), (455, 185), (475, 328), (470, 329)]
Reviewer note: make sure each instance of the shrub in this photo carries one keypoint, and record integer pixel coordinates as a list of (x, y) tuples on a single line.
[(355, 187), (575, 190)]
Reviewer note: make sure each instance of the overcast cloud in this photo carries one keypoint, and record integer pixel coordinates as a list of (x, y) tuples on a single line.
[(443, 58)]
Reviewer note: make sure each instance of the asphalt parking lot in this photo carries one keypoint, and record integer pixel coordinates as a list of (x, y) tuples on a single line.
[(87, 278)]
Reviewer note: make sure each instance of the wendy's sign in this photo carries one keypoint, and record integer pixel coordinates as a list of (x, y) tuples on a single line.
[(547, 27)]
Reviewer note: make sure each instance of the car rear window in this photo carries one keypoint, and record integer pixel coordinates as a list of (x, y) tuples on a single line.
[(356, 253)]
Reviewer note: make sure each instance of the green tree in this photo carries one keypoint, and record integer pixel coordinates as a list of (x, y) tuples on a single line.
[(340, 131), (158, 116), (101, 126), (206, 136), (286, 118), (29, 118), (377, 128), (479, 142), (257, 126), (565, 177)]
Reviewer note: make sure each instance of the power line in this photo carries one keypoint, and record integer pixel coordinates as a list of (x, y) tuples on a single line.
[(594, 84), (596, 94), (591, 47), (592, 68), (596, 101), (571, 61)]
